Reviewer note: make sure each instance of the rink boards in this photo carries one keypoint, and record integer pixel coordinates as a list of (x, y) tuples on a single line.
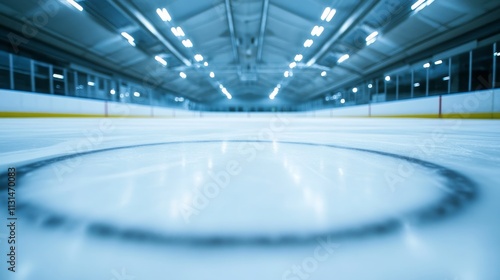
[(480, 104)]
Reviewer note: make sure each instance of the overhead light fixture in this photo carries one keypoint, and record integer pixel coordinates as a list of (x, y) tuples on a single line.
[(161, 60), (212, 75), (58, 76), (497, 54), (438, 62), (286, 74), (370, 86), (416, 84), (76, 5), (328, 14), (164, 15), (274, 93), (342, 100), (343, 58), (317, 30), (226, 93), (308, 43), (447, 78), (370, 39), (187, 43), (112, 91), (205, 64), (427, 65), (129, 38), (388, 78), (178, 32), (323, 74), (292, 65), (137, 94), (91, 84), (355, 90), (198, 57), (183, 75), (299, 57), (421, 4)]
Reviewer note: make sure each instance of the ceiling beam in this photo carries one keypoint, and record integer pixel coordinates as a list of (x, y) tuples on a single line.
[(230, 23), (128, 9), (354, 19), (263, 23)]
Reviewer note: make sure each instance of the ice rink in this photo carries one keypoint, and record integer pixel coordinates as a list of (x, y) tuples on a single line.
[(252, 198)]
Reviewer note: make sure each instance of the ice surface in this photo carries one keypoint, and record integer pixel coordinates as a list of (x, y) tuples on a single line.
[(97, 192)]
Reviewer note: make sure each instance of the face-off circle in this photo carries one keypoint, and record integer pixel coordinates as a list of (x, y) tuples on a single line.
[(238, 192)]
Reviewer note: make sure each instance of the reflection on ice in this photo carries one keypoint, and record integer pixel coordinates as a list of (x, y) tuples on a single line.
[(120, 214)]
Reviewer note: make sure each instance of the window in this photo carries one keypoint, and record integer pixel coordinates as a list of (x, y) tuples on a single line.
[(81, 85), (391, 87), (22, 73), (59, 80), (4, 70), (420, 81), (439, 76), (460, 73), (42, 80), (497, 65), (404, 85), (482, 68)]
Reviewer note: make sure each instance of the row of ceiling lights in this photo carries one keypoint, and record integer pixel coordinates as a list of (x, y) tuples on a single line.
[(179, 33), (317, 30), (370, 39)]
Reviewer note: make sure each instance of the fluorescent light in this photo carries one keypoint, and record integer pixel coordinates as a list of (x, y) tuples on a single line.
[(164, 15), (205, 64), (447, 78), (417, 4), (388, 78), (371, 36), (112, 91), (317, 30), (308, 43), (128, 36), (161, 60), (342, 100), (438, 62), (183, 75), (198, 57), (286, 74), (137, 94), (212, 75), (323, 74), (221, 86), (427, 65), (76, 5), (58, 76), (325, 13), (274, 93), (343, 58), (416, 84), (355, 90), (370, 86), (292, 65), (298, 57), (91, 84), (187, 43), (178, 32), (331, 14), (497, 54), (371, 41), (226, 92), (420, 4)]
